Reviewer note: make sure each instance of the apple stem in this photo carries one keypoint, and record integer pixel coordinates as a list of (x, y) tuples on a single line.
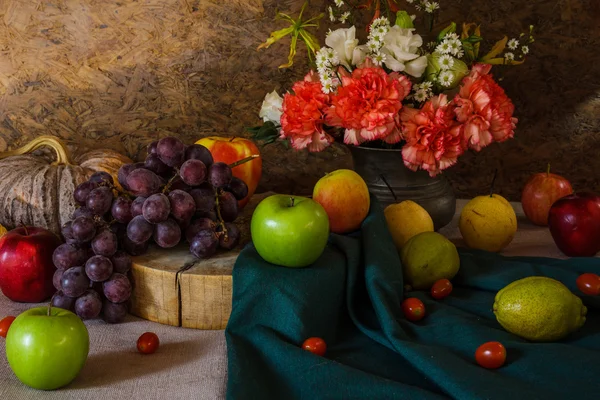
[(50, 306), (25, 227), (244, 160), (232, 139), (292, 199), (493, 181), (548, 169)]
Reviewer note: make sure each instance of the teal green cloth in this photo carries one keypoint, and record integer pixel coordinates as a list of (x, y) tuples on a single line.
[(351, 298)]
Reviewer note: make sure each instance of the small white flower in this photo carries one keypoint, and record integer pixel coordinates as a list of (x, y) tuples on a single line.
[(381, 21), (344, 17), (421, 95), (446, 78), (322, 68), (331, 16), (430, 7), (378, 59), (451, 36), (509, 56), (332, 57), (513, 44), (444, 47), (446, 61), (455, 46), (376, 37), (459, 54), (373, 46), (271, 108), (382, 30), (339, 3), (525, 49), (410, 1), (426, 85)]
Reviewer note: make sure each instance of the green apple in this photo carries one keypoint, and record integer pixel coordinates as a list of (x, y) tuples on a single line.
[(47, 349), (289, 231)]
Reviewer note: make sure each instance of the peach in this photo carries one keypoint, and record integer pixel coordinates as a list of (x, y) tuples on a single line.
[(345, 197)]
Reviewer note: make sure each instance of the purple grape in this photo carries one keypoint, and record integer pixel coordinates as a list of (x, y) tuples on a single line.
[(136, 206), (105, 243), (81, 212), (124, 171), (61, 300), (117, 289), (180, 185), (204, 197), (199, 152), (204, 243), (88, 305), (156, 208), (74, 282), (100, 200), (232, 238), (219, 175), (196, 226), (57, 277), (212, 215), (184, 224), (67, 233), (132, 248), (139, 230), (82, 191), (154, 164), (102, 177), (238, 187), (67, 255), (114, 313), (183, 205), (229, 206), (151, 148), (171, 151), (193, 172), (83, 229), (98, 268), (121, 209), (143, 182), (121, 262), (167, 234)]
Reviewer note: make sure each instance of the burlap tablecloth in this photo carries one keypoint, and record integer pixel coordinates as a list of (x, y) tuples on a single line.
[(190, 364)]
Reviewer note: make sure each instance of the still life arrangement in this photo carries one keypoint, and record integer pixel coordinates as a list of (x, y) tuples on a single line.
[(426, 96)]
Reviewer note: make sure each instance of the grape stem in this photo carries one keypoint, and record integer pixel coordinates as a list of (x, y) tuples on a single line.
[(244, 160), (221, 222), (171, 181), (119, 191)]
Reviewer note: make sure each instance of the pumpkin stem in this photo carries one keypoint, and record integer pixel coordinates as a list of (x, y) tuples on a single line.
[(62, 155), (244, 160)]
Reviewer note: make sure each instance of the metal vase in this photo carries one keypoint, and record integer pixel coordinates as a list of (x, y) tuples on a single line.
[(382, 167)]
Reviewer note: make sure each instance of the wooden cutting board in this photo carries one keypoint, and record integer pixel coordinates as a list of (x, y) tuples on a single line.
[(165, 291)]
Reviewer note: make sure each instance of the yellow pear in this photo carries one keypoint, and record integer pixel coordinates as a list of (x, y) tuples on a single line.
[(405, 220)]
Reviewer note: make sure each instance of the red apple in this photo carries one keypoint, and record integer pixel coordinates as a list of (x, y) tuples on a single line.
[(230, 150), (540, 192), (574, 223), (26, 267)]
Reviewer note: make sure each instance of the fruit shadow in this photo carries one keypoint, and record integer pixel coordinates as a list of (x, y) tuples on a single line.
[(107, 369)]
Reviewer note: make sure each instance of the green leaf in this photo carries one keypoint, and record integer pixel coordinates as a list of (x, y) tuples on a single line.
[(403, 20), (497, 49), (449, 29)]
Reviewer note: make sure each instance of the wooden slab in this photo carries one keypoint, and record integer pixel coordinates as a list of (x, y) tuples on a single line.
[(199, 297)]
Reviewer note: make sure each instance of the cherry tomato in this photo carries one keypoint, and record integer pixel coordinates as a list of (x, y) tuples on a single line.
[(589, 284), (441, 289), (148, 343), (491, 355), (315, 345), (5, 324), (414, 309)]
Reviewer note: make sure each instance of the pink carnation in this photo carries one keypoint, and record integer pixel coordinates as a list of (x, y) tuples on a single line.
[(433, 137), (304, 114), (484, 108), (367, 105)]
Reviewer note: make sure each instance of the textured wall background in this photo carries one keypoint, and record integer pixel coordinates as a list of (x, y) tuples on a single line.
[(123, 73)]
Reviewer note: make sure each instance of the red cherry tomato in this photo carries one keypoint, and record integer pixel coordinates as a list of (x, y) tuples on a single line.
[(5, 324), (315, 345), (414, 309), (441, 289), (589, 284), (491, 355), (148, 343)]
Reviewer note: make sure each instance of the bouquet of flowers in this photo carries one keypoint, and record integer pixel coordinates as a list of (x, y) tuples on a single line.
[(434, 101)]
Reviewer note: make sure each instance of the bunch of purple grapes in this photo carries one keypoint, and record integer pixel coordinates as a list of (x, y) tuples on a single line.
[(178, 193)]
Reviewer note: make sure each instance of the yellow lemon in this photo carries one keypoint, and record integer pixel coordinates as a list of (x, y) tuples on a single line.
[(405, 220), (488, 223)]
